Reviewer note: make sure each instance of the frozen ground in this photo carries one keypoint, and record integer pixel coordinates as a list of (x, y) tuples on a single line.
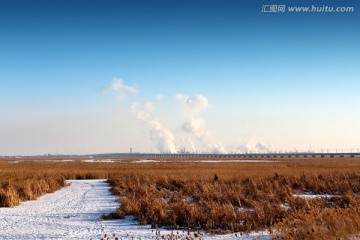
[(74, 213)]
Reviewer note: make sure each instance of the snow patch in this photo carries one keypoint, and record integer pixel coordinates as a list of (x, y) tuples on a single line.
[(312, 195), (146, 161), (100, 161)]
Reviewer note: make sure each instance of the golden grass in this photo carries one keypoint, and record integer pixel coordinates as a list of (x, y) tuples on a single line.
[(247, 204), (22, 186), (318, 220)]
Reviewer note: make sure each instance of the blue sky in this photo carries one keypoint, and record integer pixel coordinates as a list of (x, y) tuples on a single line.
[(289, 80)]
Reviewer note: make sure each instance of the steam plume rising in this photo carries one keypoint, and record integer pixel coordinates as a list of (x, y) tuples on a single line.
[(162, 136), (196, 125), (253, 146), (188, 144)]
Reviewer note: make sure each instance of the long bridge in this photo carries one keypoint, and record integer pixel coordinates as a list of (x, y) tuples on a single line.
[(231, 156)]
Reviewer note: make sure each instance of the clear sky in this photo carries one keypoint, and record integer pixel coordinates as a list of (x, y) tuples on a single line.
[(80, 77)]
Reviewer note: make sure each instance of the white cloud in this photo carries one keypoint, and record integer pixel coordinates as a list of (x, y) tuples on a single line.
[(160, 97), (118, 89), (195, 104)]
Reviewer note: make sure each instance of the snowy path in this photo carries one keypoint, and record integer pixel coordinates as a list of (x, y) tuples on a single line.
[(70, 213), (73, 213)]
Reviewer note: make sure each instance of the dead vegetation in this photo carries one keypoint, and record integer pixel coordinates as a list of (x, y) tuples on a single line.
[(217, 197), (248, 204), (18, 187), (322, 219)]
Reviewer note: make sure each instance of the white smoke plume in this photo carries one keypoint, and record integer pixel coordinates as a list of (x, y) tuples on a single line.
[(118, 89), (196, 125), (189, 144), (253, 146), (161, 135)]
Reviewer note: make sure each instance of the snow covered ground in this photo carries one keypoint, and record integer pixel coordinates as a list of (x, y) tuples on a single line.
[(74, 213)]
